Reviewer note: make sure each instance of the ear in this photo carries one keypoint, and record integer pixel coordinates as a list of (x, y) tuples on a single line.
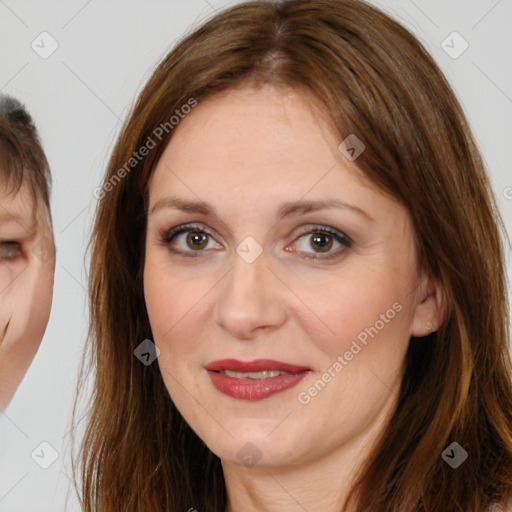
[(430, 307)]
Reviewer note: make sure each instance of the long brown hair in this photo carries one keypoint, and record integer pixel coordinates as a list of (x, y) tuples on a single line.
[(378, 82)]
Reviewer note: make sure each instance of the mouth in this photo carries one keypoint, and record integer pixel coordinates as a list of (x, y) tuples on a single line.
[(254, 380)]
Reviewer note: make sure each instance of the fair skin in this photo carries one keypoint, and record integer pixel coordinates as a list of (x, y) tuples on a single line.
[(246, 152), (27, 262)]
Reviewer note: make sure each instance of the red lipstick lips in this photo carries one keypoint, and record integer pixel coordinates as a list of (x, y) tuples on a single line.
[(254, 380)]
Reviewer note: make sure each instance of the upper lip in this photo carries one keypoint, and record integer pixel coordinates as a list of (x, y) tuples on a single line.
[(257, 365)]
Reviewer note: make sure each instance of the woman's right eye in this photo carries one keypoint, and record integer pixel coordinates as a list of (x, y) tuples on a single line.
[(9, 251)]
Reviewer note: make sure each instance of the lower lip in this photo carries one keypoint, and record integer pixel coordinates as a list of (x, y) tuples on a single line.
[(254, 389)]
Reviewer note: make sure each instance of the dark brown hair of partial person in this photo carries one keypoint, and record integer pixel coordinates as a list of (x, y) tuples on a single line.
[(377, 82), (22, 159)]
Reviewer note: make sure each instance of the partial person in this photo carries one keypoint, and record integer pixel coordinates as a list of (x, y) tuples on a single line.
[(27, 254)]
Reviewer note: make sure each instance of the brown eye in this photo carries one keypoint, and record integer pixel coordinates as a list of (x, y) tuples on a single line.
[(322, 242), (197, 240), (9, 251), (188, 240), (322, 239)]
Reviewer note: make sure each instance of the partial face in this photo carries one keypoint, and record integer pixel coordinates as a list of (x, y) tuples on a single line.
[(322, 297), (26, 284)]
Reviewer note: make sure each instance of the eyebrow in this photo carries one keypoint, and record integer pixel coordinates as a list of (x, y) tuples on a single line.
[(286, 210)]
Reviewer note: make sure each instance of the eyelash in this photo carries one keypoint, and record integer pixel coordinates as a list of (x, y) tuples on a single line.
[(167, 237)]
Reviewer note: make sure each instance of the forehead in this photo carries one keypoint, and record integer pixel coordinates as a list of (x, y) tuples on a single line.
[(267, 137), (20, 206)]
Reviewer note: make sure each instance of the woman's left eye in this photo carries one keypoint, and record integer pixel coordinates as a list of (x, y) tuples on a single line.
[(321, 239), (9, 251)]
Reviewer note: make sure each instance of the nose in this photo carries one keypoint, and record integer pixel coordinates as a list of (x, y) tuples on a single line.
[(251, 299)]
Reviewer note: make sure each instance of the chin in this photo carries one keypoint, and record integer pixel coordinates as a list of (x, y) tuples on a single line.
[(256, 453), (253, 442)]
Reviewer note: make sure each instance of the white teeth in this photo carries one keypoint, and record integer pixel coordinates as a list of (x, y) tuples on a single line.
[(254, 375)]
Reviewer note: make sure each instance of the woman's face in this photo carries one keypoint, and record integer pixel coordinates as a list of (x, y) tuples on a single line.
[(26, 284), (262, 282)]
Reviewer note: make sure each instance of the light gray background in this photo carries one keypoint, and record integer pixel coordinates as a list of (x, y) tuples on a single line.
[(79, 96)]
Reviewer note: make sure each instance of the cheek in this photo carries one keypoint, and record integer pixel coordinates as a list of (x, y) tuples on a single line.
[(9, 272), (26, 305), (175, 306), (6, 309), (352, 308), (16, 295)]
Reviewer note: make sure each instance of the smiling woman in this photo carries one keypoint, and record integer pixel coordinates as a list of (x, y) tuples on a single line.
[(281, 314), (26, 245)]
